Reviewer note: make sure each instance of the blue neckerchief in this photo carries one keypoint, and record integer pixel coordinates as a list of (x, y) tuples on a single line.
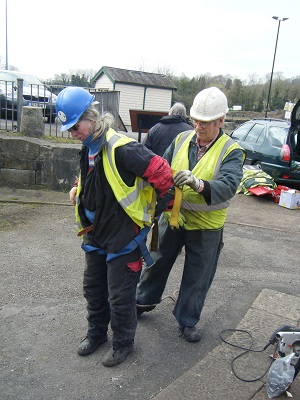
[(93, 146)]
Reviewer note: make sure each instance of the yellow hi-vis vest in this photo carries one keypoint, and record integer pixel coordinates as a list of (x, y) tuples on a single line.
[(198, 214), (139, 200)]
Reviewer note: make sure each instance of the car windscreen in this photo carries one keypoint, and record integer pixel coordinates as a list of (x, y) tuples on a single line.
[(28, 79), (6, 77)]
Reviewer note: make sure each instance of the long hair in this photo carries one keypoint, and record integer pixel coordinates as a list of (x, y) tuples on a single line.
[(102, 122)]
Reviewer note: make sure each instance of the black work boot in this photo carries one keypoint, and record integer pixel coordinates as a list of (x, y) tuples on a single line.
[(191, 334), (116, 356), (88, 345), (141, 308)]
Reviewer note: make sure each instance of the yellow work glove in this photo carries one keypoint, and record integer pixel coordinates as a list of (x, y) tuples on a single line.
[(181, 219)]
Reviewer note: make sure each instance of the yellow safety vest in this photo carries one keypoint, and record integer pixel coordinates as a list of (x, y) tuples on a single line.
[(198, 214), (139, 200)]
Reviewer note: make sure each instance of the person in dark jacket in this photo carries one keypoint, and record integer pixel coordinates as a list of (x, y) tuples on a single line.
[(114, 201), (161, 135)]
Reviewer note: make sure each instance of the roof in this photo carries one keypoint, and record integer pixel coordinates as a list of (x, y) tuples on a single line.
[(118, 75)]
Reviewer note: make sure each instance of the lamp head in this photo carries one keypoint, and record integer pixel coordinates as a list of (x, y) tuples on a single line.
[(280, 19)]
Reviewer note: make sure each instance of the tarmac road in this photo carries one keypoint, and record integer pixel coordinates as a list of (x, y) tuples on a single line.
[(43, 311)]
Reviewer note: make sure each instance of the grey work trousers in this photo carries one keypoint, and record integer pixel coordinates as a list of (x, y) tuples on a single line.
[(202, 250)]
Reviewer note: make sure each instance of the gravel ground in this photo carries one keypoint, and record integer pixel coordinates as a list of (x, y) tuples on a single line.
[(43, 311)]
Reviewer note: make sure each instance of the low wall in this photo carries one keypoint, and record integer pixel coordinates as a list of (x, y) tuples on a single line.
[(33, 163), (36, 164)]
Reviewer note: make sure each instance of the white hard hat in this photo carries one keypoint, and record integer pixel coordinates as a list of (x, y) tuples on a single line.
[(209, 104)]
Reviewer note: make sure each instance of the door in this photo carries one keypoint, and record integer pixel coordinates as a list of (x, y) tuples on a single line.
[(294, 142)]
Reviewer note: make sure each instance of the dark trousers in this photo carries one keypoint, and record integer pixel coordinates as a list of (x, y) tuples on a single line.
[(202, 250), (109, 289)]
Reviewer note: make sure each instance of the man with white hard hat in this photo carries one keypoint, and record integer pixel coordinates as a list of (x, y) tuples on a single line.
[(209, 168)]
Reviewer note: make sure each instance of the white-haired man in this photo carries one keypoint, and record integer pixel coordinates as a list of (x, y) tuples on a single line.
[(161, 135)]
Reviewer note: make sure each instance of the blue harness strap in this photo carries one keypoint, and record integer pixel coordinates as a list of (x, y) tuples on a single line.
[(88, 248), (138, 241)]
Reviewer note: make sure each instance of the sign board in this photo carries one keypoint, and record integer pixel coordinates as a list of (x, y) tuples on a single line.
[(142, 120), (289, 106)]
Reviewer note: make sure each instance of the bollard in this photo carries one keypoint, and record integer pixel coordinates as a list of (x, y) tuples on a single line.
[(32, 121)]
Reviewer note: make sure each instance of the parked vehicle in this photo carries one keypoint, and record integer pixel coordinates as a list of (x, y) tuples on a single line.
[(8, 98), (35, 94), (274, 145)]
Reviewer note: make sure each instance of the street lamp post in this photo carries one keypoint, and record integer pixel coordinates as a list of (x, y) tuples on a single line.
[(6, 56), (279, 20)]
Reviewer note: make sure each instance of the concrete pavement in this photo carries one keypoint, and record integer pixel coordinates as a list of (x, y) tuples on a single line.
[(208, 377), (213, 378)]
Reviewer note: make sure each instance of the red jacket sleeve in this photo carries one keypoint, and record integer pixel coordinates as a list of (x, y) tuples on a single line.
[(159, 174)]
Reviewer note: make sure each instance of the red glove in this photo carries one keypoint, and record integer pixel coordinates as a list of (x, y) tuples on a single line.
[(159, 174)]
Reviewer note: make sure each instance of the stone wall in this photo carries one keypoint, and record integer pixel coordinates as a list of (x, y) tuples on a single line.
[(35, 163)]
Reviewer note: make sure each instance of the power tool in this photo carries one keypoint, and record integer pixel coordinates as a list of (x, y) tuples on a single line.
[(287, 340)]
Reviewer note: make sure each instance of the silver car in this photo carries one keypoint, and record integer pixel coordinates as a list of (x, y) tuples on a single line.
[(35, 94)]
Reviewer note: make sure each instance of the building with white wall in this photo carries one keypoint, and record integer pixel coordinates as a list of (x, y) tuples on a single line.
[(138, 90)]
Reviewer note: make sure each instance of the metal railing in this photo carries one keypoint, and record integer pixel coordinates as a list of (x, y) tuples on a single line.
[(14, 98)]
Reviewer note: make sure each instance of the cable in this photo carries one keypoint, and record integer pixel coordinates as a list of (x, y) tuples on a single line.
[(247, 350), (173, 297)]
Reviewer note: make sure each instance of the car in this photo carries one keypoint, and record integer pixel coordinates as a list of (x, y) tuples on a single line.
[(8, 98), (35, 94), (273, 145)]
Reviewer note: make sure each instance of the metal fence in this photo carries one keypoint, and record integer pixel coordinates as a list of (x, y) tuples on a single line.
[(14, 97)]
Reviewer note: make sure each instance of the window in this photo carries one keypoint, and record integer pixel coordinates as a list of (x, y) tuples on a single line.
[(255, 135), (277, 135), (242, 131)]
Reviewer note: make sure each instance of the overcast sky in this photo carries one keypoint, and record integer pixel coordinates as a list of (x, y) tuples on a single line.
[(190, 37)]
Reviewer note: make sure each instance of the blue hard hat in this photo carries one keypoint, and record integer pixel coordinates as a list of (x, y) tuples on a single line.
[(71, 103)]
